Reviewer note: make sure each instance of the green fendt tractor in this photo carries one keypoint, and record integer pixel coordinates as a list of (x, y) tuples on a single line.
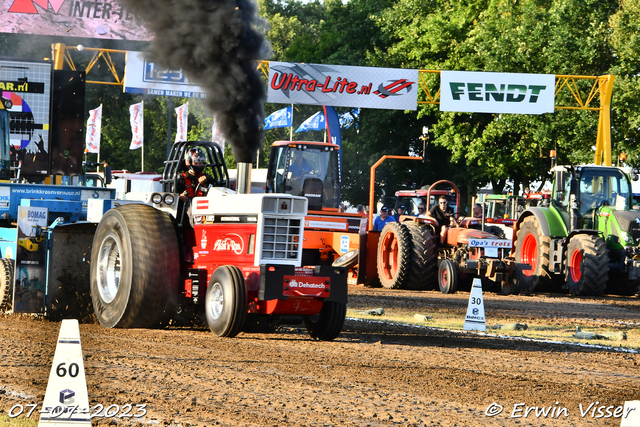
[(589, 235)]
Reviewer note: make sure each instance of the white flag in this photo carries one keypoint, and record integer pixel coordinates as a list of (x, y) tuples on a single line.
[(216, 135), (137, 121), (182, 112), (94, 125)]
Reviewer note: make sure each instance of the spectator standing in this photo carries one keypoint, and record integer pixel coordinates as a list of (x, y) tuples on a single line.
[(384, 218)]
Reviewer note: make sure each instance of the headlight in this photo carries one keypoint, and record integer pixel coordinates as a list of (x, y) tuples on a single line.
[(628, 239), (156, 199), (169, 199)]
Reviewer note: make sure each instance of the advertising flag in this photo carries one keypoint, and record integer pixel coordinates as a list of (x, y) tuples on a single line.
[(334, 133), (183, 113), (137, 121), (315, 122), (94, 125), (280, 119)]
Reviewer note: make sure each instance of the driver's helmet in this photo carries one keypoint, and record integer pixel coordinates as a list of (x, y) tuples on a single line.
[(196, 158)]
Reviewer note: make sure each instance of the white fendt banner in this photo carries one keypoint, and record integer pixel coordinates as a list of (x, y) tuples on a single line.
[(343, 86), (482, 92)]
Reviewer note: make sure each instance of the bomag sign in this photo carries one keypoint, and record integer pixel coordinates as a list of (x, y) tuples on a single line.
[(478, 92)]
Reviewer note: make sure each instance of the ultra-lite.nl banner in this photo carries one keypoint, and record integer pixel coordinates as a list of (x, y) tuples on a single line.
[(484, 92), (343, 86)]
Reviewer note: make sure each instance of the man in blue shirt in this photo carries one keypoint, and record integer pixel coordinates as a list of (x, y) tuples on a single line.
[(379, 222)]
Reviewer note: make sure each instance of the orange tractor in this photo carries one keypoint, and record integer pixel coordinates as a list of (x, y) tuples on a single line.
[(408, 254)]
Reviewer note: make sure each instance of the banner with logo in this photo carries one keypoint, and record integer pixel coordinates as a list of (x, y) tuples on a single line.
[(94, 126), (137, 122), (105, 19), (343, 86), (145, 77), (482, 92), (182, 113)]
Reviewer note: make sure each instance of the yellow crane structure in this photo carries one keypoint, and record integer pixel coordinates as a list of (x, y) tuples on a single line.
[(572, 92)]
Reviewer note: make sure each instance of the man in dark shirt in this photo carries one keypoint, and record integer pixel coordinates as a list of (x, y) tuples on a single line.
[(444, 215)]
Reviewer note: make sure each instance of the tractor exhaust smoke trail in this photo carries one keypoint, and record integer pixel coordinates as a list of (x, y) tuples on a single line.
[(215, 43)]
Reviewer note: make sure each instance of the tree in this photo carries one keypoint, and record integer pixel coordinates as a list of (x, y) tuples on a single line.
[(531, 36)]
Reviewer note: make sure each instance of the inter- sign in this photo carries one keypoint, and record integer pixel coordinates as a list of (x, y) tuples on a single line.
[(479, 92)]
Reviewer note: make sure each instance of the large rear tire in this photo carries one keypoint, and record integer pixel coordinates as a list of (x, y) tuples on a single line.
[(587, 269), (135, 267), (226, 302), (532, 248), (394, 255), (6, 283), (327, 324), (423, 266), (448, 277)]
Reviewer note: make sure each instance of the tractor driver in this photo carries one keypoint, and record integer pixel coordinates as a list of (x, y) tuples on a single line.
[(443, 214), (193, 182), (299, 167)]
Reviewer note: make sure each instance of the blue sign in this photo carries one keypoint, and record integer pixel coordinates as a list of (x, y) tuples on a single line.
[(344, 244)]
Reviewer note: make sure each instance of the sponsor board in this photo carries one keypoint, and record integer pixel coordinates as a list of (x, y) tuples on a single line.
[(484, 92), (325, 224), (146, 77), (105, 19), (490, 243), (343, 86), (306, 285)]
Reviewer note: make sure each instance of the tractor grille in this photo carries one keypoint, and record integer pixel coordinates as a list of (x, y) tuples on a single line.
[(281, 239)]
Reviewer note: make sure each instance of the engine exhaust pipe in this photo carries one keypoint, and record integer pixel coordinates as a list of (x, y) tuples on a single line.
[(243, 179)]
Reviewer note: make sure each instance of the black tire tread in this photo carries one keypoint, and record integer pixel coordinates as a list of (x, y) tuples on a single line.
[(6, 283), (328, 324), (595, 265), (155, 265), (423, 266), (452, 287)]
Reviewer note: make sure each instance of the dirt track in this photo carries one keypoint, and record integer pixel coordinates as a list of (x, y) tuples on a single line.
[(372, 375)]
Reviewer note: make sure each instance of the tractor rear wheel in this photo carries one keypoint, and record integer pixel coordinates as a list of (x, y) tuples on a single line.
[(448, 277), (135, 267), (587, 269), (422, 274), (326, 325), (6, 283), (226, 302), (394, 255), (532, 248)]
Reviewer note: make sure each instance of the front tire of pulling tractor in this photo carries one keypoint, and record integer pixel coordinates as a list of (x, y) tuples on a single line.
[(326, 325), (6, 283), (532, 248), (587, 269), (226, 302), (394, 255), (135, 268)]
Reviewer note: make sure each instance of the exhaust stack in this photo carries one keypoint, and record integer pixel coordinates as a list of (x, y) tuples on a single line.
[(243, 178)]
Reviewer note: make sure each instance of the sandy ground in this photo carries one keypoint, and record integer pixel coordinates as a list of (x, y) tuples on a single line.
[(374, 374)]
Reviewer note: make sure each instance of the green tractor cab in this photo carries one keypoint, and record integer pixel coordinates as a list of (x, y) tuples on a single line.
[(588, 237)]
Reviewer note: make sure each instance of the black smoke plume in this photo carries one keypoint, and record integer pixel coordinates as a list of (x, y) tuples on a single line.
[(216, 45)]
